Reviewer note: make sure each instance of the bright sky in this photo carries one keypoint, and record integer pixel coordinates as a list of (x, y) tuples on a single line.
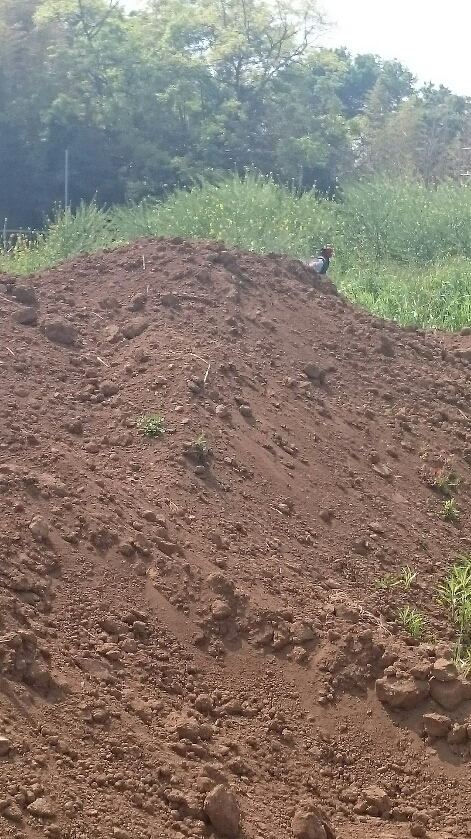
[(432, 39)]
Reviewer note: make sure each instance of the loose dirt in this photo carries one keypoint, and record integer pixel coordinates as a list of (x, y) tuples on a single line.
[(194, 640)]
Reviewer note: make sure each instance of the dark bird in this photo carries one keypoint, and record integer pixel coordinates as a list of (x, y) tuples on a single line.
[(320, 263)]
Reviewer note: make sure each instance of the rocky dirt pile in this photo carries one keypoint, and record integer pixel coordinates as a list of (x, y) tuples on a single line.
[(211, 465)]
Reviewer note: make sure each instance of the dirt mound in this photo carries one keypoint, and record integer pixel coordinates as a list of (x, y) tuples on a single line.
[(212, 470)]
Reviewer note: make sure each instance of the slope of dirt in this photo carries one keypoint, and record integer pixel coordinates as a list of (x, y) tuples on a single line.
[(191, 626)]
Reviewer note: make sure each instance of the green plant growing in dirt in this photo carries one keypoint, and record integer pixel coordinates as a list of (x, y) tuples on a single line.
[(445, 481), (450, 510), (387, 582), (151, 425), (200, 447), (455, 595), (464, 660), (412, 621), (408, 576)]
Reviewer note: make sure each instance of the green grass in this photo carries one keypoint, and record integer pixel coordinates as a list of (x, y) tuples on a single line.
[(403, 250), (450, 510), (151, 425), (454, 593), (412, 621)]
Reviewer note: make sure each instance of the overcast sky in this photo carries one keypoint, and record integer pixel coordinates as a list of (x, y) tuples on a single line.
[(432, 39)]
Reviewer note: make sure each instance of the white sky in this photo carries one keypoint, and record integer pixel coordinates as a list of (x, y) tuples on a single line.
[(432, 39)]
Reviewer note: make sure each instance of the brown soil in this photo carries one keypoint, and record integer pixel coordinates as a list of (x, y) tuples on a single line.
[(189, 626)]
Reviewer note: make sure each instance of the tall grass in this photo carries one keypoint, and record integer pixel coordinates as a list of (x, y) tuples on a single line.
[(253, 214), (403, 250)]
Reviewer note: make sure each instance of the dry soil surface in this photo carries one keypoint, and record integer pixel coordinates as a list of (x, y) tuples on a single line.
[(194, 638)]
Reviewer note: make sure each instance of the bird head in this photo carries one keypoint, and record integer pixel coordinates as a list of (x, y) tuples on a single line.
[(328, 251)]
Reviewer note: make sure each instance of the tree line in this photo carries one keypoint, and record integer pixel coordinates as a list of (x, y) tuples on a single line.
[(185, 91)]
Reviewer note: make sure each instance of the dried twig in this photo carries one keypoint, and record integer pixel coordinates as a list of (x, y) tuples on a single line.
[(205, 361), (10, 351), (375, 620), (102, 361), (143, 262)]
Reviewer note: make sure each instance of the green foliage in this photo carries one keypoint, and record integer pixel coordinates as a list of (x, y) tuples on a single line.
[(199, 448), (406, 578), (412, 621), (151, 425), (455, 595), (387, 582), (450, 510), (445, 481), (403, 251), (187, 91)]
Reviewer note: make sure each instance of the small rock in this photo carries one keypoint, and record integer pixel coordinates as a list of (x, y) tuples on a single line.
[(436, 725), (300, 632), (310, 822), (376, 527), (284, 508), (222, 411), (149, 515), (25, 295), (220, 609), (134, 328), (444, 670), (385, 347), (138, 302), (298, 654), (5, 746), (245, 410), (401, 693), (13, 813), (188, 729), (39, 528), (383, 471), (377, 797), (314, 372), (110, 303), (113, 334), (450, 694), (457, 734), (43, 808), (204, 704), (27, 316), (109, 389), (74, 426), (119, 833), (60, 332), (418, 830), (222, 809)]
